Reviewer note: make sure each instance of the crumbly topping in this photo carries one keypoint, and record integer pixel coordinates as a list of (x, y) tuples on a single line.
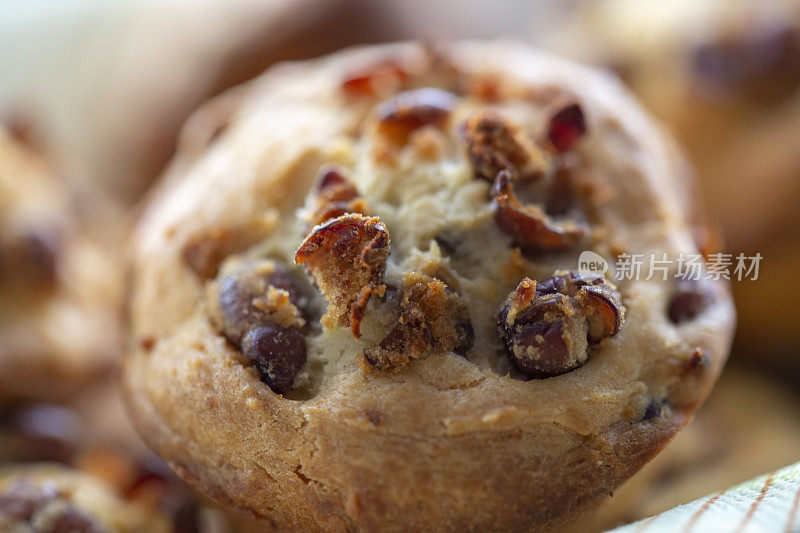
[(548, 327)]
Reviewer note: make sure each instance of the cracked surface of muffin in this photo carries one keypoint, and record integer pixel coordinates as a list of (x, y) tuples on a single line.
[(356, 308), (58, 323)]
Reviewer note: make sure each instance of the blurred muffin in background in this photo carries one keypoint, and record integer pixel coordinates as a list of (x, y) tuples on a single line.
[(724, 75), (54, 498), (112, 104), (91, 439), (748, 426), (58, 320)]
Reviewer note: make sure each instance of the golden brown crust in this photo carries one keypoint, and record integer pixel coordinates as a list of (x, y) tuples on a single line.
[(428, 446)]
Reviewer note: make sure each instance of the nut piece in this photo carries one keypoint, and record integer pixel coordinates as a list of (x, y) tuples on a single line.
[(411, 110), (547, 328), (433, 318), (687, 302), (257, 306), (445, 313), (377, 79), (494, 144), (247, 294), (566, 126), (529, 226), (409, 339), (278, 353), (334, 195), (346, 257)]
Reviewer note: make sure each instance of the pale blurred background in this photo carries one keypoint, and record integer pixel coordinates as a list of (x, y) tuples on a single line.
[(100, 88)]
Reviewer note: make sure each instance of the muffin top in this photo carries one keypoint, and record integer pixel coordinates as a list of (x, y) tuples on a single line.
[(372, 260)]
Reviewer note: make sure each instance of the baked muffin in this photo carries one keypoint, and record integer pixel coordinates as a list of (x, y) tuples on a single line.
[(58, 325), (358, 307)]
